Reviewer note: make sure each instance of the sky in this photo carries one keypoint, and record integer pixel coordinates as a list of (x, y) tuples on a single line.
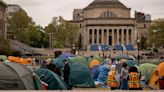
[(42, 11)]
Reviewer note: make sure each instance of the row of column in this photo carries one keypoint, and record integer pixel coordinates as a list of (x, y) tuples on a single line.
[(119, 33)]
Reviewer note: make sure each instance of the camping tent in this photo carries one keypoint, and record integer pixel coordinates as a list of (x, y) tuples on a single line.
[(99, 58), (119, 57), (79, 59), (14, 76), (59, 61), (147, 70), (93, 63), (52, 79), (157, 74), (131, 63), (3, 57), (80, 76)]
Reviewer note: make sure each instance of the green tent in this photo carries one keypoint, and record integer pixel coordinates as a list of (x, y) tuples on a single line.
[(119, 57), (52, 79), (147, 70), (3, 57), (131, 63), (59, 61), (79, 59), (15, 76), (80, 76), (99, 58)]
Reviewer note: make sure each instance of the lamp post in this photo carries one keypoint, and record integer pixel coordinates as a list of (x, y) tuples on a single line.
[(138, 43), (155, 31)]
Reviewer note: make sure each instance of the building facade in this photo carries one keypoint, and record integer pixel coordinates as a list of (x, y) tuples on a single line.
[(3, 7), (109, 22)]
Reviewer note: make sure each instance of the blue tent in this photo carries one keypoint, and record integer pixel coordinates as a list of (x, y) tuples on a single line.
[(66, 55)]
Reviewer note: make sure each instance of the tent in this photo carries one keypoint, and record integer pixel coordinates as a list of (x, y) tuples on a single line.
[(66, 55), (157, 74), (3, 57), (52, 79), (15, 76), (93, 63), (79, 59), (131, 63), (59, 61), (147, 70), (99, 58), (103, 73), (94, 72), (80, 76), (119, 57)]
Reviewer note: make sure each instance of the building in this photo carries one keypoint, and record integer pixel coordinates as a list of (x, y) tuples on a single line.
[(108, 22), (3, 7), (12, 8)]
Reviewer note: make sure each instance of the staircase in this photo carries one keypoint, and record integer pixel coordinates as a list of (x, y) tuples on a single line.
[(25, 49)]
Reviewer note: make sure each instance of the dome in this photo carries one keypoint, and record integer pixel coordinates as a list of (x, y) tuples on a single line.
[(106, 4)]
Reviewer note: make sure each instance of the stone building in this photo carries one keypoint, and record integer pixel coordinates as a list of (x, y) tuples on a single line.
[(3, 6), (109, 22)]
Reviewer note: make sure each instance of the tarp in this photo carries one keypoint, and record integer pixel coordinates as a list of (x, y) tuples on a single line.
[(52, 79), (15, 76), (93, 63), (158, 73), (3, 57), (79, 59), (20, 60), (94, 72), (103, 72), (80, 76), (147, 70)]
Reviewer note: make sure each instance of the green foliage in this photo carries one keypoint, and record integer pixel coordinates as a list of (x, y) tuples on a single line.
[(157, 37), (22, 28), (65, 33), (5, 47)]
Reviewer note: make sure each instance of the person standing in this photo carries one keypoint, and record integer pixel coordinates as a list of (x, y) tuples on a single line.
[(113, 81), (66, 72), (134, 79), (124, 76)]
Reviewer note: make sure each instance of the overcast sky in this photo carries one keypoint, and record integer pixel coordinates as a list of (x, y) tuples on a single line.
[(42, 11)]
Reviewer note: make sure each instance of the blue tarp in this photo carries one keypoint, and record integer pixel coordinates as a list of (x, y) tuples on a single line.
[(103, 73), (118, 47), (94, 72), (129, 47)]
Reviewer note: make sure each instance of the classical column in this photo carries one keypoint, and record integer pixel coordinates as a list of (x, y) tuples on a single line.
[(102, 36), (132, 37), (93, 34), (97, 37), (122, 37), (113, 37), (107, 40), (88, 38), (118, 36), (127, 36)]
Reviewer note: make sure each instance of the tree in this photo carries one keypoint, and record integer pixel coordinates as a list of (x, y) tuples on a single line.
[(65, 32), (22, 28), (156, 33)]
